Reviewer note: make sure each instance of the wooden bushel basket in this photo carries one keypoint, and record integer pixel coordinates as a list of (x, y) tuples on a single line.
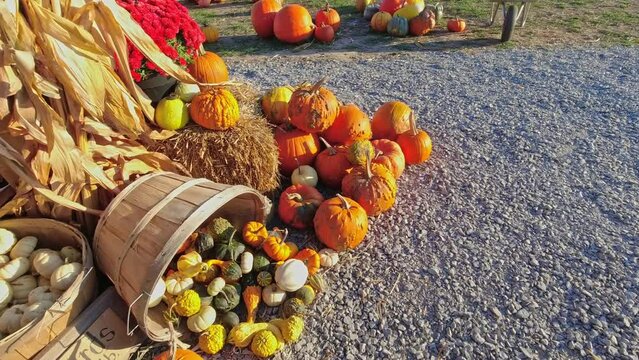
[(33, 337), (142, 229)]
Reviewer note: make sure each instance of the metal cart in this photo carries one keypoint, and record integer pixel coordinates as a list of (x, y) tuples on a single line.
[(513, 13)]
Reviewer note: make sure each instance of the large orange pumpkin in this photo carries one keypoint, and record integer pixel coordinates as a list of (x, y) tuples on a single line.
[(209, 68), (416, 144), (390, 120), (389, 154), (263, 15), (313, 108), (296, 148), (215, 109), (373, 186), (380, 21), (180, 354), (293, 24), (328, 16), (298, 204), (351, 124), (310, 258), (423, 23), (390, 6), (331, 165), (340, 223)]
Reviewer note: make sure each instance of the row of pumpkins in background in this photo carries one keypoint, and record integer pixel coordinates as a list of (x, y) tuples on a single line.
[(32, 279)]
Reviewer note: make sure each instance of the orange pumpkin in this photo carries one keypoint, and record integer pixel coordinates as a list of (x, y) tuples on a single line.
[(331, 165), (351, 124), (276, 247), (293, 24), (380, 21), (390, 120), (209, 68), (215, 109), (423, 23), (390, 6), (340, 223), (416, 144), (263, 15), (296, 148), (313, 109), (324, 34), (298, 204), (372, 186), (310, 258), (254, 233), (180, 354), (328, 16), (456, 25), (389, 154)]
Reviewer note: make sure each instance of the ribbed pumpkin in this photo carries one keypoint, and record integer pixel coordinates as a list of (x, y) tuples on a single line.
[(415, 144), (263, 15), (275, 104), (209, 68), (398, 26), (372, 186), (298, 204), (380, 21), (390, 120), (328, 16), (275, 246), (422, 24), (340, 223), (331, 165), (456, 25), (293, 24), (389, 154), (391, 6), (296, 148), (324, 34), (211, 33), (408, 11), (351, 124), (215, 109), (313, 109), (310, 258), (360, 5)]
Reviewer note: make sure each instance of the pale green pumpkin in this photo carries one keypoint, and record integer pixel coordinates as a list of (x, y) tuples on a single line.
[(171, 113)]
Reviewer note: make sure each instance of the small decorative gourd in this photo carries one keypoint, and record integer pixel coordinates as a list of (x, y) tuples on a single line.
[(215, 286), (158, 292), (306, 294), (202, 320), (370, 10), (251, 297), (328, 257), (254, 233), (43, 293), (292, 307), (227, 299), (70, 254), (380, 21), (318, 283), (310, 258), (359, 151), (189, 265), (304, 175), (276, 247), (261, 262), (7, 240), (211, 273), (264, 344), (246, 262), (46, 262), (291, 275), (35, 311), (273, 295), (229, 319), (398, 26), (10, 319), (22, 286), (291, 328), (212, 341), (6, 294), (14, 269), (186, 92), (230, 270), (24, 247), (65, 275), (187, 303), (177, 284), (171, 113), (264, 278)]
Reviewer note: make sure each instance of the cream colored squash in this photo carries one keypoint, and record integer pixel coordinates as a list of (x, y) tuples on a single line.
[(158, 292), (24, 247), (202, 320), (176, 284), (10, 319), (46, 262), (43, 293), (65, 275), (291, 275), (35, 311), (14, 269), (246, 262), (7, 240), (22, 286), (4, 259), (304, 175), (42, 281), (186, 92), (273, 295), (70, 254), (328, 257), (6, 294), (215, 286)]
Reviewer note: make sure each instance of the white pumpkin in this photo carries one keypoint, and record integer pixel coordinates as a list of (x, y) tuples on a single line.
[(35, 311), (186, 92), (158, 292), (14, 269), (291, 275), (6, 294), (202, 320), (10, 319), (46, 262), (328, 257), (42, 281), (7, 240), (70, 254), (176, 284), (65, 275), (43, 293), (22, 286), (246, 262), (4, 259), (273, 295), (215, 286), (304, 175), (24, 247)]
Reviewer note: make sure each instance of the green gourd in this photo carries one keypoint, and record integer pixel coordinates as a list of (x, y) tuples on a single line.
[(398, 26), (264, 278), (318, 283), (228, 247), (306, 294), (231, 271), (261, 262), (227, 300), (293, 306), (228, 320)]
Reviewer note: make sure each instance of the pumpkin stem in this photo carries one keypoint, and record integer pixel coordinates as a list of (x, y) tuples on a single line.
[(331, 149), (328, 7), (413, 126), (319, 84), (295, 196), (378, 154), (345, 203), (369, 173)]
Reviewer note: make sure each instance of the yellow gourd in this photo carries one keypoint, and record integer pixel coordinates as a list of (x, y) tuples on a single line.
[(35, 311), (10, 319), (264, 344), (24, 247), (251, 297), (202, 320), (70, 254), (21, 287), (177, 284), (212, 341), (46, 261), (190, 265), (14, 269), (208, 275), (42, 293), (6, 294), (242, 333), (291, 328), (7, 240), (409, 11), (65, 275), (188, 303), (211, 33)]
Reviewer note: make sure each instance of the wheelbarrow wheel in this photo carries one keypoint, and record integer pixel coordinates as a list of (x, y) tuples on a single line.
[(509, 23)]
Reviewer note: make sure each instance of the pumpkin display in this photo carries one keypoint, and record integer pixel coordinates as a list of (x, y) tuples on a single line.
[(215, 109), (389, 154), (331, 165), (291, 275), (422, 24), (360, 5), (398, 26), (180, 354), (310, 258), (359, 151), (456, 25), (276, 247), (298, 204), (273, 295), (380, 21), (211, 33), (254, 233), (324, 34), (304, 175), (313, 108), (391, 6), (293, 24), (275, 104), (296, 148), (209, 68), (390, 120), (263, 16), (351, 124), (370, 11), (373, 187), (328, 257), (24, 247), (408, 11), (340, 223), (328, 16), (415, 144)]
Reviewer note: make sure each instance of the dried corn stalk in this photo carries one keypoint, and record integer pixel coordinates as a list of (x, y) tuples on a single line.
[(72, 128)]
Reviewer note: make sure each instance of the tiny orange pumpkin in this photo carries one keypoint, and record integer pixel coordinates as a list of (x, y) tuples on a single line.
[(310, 258), (254, 233)]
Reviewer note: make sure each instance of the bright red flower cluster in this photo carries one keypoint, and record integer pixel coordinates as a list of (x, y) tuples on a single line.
[(169, 24)]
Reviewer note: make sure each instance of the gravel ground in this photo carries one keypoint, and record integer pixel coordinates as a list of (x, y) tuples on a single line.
[(519, 238)]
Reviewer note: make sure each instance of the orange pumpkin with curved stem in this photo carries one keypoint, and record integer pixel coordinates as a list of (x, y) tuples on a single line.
[(209, 68), (331, 165), (328, 16), (296, 148), (310, 258), (293, 24), (313, 109), (390, 120), (276, 247), (254, 233), (416, 144), (351, 124), (389, 154), (180, 354), (298, 204), (340, 223), (372, 186)]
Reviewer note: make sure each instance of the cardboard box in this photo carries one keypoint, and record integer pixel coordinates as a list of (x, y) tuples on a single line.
[(99, 333)]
